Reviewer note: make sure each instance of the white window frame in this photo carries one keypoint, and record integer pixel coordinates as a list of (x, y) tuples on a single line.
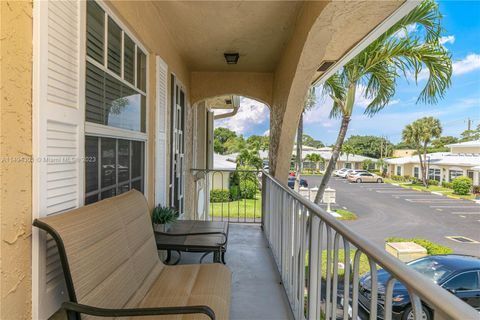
[(100, 130)]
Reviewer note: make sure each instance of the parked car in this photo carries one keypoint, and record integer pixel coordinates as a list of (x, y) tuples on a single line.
[(342, 173), (291, 182), (354, 172), (365, 177), (459, 274)]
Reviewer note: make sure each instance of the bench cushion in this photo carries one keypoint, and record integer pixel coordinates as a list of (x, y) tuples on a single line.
[(199, 284)]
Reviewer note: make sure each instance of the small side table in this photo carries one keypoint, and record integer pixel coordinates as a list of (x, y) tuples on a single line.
[(195, 236)]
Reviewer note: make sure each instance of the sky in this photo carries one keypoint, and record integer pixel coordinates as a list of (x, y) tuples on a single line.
[(461, 102)]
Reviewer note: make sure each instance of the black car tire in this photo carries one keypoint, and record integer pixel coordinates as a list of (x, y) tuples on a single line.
[(359, 180), (379, 180), (408, 313)]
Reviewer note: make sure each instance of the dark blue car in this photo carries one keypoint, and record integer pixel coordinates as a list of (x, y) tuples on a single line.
[(291, 182), (459, 274)]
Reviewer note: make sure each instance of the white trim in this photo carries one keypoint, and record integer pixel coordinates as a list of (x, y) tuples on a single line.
[(95, 129), (116, 76), (120, 23), (161, 137), (401, 11)]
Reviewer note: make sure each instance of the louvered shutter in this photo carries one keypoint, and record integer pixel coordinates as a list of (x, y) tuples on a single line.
[(161, 133), (58, 141)]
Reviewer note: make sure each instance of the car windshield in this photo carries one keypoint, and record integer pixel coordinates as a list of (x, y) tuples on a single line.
[(431, 268)]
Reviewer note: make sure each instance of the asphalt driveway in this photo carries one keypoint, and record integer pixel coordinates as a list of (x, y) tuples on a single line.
[(385, 210)]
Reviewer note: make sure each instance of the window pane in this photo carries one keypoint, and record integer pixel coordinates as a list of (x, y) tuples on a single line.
[(91, 164), (123, 188), (141, 70), (108, 162), (129, 60), (137, 159), (465, 281), (114, 46), (123, 160), (95, 31), (127, 111), (143, 114), (107, 194), (94, 94), (138, 185), (113, 100), (91, 199)]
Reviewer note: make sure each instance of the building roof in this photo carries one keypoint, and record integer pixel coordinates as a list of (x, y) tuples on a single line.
[(223, 161), (343, 157), (442, 158), (468, 144)]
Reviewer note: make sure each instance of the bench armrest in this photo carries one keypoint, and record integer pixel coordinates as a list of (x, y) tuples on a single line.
[(195, 234), (135, 312)]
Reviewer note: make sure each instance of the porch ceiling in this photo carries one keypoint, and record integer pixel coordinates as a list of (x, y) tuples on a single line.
[(204, 30)]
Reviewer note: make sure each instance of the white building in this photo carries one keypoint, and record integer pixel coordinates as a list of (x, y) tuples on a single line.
[(462, 160)]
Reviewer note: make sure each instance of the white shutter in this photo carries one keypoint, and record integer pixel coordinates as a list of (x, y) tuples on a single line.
[(161, 133), (58, 137)]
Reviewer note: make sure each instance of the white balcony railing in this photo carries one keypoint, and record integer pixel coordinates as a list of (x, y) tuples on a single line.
[(300, 232)]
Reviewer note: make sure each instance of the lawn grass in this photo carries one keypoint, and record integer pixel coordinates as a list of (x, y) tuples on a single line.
[(444, 191), (244, 208), (346, 215)]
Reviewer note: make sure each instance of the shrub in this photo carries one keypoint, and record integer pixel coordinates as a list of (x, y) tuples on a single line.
[(433, 182), (462, 185), (219, 195), (398, 178), (234, 193), (448, 185), (248, 189), (407, 177), (476, 189), (432, 248)]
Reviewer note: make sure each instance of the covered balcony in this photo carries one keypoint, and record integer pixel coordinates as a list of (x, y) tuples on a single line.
[(119, 97)]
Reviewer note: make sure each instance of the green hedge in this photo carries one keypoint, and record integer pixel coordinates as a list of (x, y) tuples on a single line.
[(462, 185), (448, 185), (219, 195), (433, 182), (248, 189), (432, 248)]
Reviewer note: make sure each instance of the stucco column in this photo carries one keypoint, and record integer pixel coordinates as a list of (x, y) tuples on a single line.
[(15, 153)]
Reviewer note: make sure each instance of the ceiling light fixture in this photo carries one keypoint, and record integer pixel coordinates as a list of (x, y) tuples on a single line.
[(231, 58)]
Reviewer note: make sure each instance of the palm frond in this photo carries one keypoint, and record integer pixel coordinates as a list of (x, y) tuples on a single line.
[(335, 89)]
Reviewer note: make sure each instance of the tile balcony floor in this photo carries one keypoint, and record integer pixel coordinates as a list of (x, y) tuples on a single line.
[(256, 289)]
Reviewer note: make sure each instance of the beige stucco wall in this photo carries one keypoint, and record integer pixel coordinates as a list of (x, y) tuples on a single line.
[(15, 142)]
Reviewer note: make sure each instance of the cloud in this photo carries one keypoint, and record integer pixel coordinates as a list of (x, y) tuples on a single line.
[(402, 33), (470, 63), (266, 133), (447, 39), (250, 114)]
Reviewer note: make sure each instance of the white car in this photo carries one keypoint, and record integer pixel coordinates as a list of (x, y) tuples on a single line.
[(342, 173)]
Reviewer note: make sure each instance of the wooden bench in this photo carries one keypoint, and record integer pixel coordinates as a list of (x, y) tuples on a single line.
[(112, 268)]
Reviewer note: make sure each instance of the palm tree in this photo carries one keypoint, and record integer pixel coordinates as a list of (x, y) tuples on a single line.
[(308, 104), (379, 66), (420, 133), (315, 158), (348, 149)]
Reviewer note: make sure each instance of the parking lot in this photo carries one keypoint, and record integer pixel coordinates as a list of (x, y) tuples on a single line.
[(386, 210)]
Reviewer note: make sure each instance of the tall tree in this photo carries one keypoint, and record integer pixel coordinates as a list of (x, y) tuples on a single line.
[(370, 146), (420, 133), (471, 135), (308, 104), (315, 158), (348, 150), (379, 66)]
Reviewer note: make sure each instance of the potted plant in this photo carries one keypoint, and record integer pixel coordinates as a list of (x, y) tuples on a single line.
[(162, 217)]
